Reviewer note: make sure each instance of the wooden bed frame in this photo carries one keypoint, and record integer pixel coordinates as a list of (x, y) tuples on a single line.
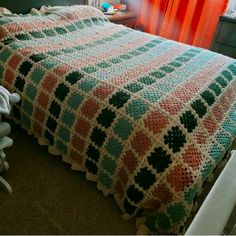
[(24, 6), (201, 223)]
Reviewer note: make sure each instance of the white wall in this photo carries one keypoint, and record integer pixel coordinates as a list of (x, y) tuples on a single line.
[(113, 1), (232, 4)]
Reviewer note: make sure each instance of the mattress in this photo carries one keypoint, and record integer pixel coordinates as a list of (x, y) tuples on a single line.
[(147, 118)]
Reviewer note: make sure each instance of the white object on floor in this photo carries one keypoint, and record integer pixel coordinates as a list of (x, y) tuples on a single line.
[(6, 99), (4, 142), (218, 205)]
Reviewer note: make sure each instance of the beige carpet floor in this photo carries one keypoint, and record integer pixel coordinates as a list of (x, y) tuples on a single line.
[(49, 198)]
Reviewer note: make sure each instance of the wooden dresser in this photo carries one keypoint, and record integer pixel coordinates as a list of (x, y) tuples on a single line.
[(224, 40), (128, 18)]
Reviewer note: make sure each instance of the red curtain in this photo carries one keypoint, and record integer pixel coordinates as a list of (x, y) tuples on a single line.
[(188, 21)]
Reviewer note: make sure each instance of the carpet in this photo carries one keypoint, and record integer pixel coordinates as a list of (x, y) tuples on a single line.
[(49, 198)]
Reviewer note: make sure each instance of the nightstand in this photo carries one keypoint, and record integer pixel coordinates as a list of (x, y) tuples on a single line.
[(224, 40), (128, 18)]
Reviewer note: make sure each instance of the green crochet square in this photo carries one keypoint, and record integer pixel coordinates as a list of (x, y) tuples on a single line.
[(134, 87), (68, 118), (62, 147), (79, 24), (26, 121), (156, 41), (109, 165), (49, 32), (190, 195), (103, 64), (27, 107), (157, 74), (135, 53), (16, 45), (68, 50), (54, 53), (80, 47), (37, 74), (151, 95), (143, 49), (64, 134), (71, 28), (215, 152), (137, 108), (87, 84), (177, 212), (60, 30), (150, 45), (4, 55), (96, 21), (147, 80), (167, 69), (175, 64), (88, 22), (75, 100), (114, 147), (23, 37), (115, 60), (227, 75), (125, 57), (49, 63), (182, 59), (37, 34), (232, 68), (104, 179), (89, 69), (123, 129)]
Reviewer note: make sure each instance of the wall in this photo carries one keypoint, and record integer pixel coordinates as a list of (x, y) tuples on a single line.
[(232, 4), (110, 1)]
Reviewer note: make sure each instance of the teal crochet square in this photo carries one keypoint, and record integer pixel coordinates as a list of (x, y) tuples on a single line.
[(152, 95), (37, 74), (26, 121), (64, 134), (75, 100), (177, 212), (16, 45), (31, 91), (224, 139), (137, 108), (49, 63), (104, 179), (4, 55), (134, 87), (215, 152), (62, 147), (114, 147), (68, 118), (27, 107), (87, 84), (109, 165), (123, 129)]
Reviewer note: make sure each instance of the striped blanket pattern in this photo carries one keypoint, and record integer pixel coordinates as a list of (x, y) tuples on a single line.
[(148, 119)]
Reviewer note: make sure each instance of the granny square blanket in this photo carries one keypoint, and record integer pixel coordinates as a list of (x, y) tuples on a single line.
[(147, 118)]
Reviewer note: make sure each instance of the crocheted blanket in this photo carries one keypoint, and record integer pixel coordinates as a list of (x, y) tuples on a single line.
[(147, 118)]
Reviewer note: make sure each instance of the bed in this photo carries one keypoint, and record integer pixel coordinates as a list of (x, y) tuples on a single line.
[(147, 118)]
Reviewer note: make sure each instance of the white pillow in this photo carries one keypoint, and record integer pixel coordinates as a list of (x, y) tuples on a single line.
[(46, 9), (4, 10), (34, 11)]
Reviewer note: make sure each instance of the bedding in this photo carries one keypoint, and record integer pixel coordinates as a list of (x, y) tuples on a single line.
[(3, 10), (147, 118)]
